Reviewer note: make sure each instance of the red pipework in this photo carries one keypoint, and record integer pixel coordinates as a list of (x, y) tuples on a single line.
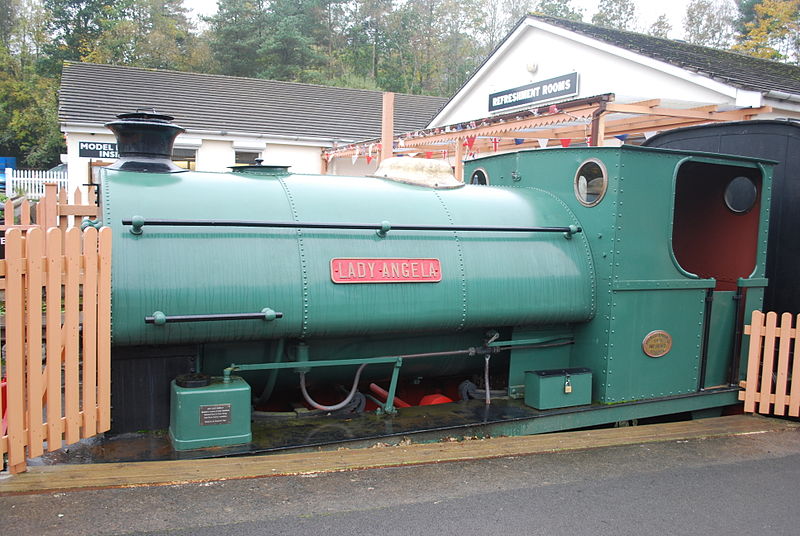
[(378, 391)]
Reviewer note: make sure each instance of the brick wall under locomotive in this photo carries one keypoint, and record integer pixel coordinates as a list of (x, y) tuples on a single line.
[(630, 267)]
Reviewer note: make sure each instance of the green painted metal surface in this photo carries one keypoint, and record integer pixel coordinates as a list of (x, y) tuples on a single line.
[(560, 388), (488, 278), (604, 290), (210, 416), (720, 344), (641, 287)]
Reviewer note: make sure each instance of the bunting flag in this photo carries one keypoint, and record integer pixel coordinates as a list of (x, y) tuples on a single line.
[(648, 135), (621, 137), (446, 154), (553, 109), (401, 142), (565, 142), (615, 142), (328, 157), (369, 158), (354, 158), (542, 142), (470, 142), (495, 144), (429, 154), (412, 155), (519, 141)]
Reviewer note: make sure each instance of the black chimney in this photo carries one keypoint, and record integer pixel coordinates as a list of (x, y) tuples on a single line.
[(144, 142)]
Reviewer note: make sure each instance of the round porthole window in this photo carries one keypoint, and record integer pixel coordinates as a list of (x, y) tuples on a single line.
[(591, 182), (740, 195), (479, 176)]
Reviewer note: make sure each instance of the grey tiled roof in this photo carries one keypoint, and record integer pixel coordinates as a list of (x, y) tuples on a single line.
[(738, 70), (94, 93)]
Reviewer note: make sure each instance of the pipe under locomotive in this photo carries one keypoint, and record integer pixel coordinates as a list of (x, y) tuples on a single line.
[(596, 284)]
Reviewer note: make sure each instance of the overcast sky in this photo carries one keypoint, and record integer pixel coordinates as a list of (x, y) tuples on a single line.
[(647, 11)]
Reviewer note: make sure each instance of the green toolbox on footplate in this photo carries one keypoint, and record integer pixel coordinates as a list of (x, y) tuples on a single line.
[(558, 388)]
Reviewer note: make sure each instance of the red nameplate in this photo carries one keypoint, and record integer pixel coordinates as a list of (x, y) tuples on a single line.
[(385, 271)]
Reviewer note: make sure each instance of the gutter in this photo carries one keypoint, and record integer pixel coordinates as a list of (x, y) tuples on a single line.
[(308, 140), (782, 96)]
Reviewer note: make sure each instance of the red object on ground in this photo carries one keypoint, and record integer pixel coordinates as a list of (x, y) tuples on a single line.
[(430, 400), (384, 394)]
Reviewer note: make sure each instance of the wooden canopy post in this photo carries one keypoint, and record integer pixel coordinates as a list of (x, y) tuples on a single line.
[(387, 126), (459, 168)]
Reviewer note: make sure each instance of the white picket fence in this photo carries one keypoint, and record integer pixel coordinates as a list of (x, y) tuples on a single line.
[(32, 182)]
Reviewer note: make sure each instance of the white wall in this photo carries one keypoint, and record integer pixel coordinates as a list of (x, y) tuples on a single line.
[(345, 166), (215, 155), (299, 158), (77, 167)]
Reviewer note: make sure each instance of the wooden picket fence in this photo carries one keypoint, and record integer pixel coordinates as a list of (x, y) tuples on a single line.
[(57, 288), (773, 366), (53, 209)]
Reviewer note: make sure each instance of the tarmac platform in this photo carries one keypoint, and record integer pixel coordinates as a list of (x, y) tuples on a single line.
[(65, 477)]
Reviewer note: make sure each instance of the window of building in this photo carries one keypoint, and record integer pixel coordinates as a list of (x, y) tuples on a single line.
[(185, 158), (246, 158)]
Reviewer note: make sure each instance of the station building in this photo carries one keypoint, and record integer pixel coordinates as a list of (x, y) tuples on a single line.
[(545, 60), (228, 120)]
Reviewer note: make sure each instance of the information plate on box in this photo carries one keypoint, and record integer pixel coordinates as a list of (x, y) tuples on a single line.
[(395, 270), (215, 414)]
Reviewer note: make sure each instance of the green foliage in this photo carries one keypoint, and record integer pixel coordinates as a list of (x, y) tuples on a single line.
[(660, 28), (559, 8), (616, 14), (775, 31), (747, 14), (29, 128), (709, 23)]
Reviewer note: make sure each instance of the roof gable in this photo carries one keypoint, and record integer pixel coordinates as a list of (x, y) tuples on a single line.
[(737, 70), (95, 93), (740, 77)]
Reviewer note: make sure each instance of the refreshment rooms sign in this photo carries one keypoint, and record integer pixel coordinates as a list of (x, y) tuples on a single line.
[(543, 91)]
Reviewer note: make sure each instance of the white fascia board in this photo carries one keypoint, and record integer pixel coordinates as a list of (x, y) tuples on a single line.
[(217, 135)]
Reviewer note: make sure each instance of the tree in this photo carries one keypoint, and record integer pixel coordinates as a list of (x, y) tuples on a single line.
[(148, 33), (236, 33), (29, 128), (709, 23), (616, 14), (288, 49), (660, 28), (559, 8), (747, 13), (76, 27), (775, 32)]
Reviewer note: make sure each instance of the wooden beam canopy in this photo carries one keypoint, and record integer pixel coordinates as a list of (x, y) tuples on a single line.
[(588, 121)]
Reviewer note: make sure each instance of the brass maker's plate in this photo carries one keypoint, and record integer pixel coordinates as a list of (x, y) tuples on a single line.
[(657, 343)]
